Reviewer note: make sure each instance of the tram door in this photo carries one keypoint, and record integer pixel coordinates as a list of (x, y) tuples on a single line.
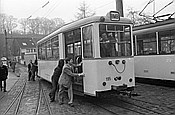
[(73, 49)]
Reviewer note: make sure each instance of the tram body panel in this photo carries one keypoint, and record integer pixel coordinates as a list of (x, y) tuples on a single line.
[(46, 69), (99, 72), (84, 39), (155, 67)]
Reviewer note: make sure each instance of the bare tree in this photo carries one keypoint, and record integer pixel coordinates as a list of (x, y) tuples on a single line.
[(33, 25), (7, 23), (136, 19), (11, 24), (24, 24), (84, 11), (2, 22), (48, 25), (58, 22)]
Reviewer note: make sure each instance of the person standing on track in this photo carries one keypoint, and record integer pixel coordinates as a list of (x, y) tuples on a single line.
[(34, 69), (54, 78), (30, 65), (3, 75), (65, 81)]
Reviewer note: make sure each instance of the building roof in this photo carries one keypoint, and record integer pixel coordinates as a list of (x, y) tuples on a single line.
[(25, 43)]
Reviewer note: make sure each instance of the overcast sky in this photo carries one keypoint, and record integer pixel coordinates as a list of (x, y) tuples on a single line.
[(66, 9)]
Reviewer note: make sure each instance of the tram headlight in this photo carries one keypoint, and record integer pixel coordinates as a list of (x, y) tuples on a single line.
[(123, 61), (110, 62), (130, 80), (117, 61), (104, 83)]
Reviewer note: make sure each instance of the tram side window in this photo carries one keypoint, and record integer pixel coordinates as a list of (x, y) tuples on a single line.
[(55, 48), (87, 42), (42, 51), (167, 42), (48, 50), (146, 44)]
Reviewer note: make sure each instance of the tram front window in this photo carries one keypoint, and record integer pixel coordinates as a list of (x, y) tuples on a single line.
[(115, 40)]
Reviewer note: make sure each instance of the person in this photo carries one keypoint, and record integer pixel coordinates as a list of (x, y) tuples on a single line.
[(104, 45), (65, 81), (107, 45), (3, 75), (54, 78), (34, 70), (30, 65), (13, 64)]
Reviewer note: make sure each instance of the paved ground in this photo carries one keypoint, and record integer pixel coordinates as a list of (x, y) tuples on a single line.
[(12, 78), (150, 94)]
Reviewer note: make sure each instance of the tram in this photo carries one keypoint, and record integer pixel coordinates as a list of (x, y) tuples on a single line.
[(154, 46), (103, 45)]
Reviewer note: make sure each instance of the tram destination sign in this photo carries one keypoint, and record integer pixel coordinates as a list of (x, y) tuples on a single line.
[(114, 16)]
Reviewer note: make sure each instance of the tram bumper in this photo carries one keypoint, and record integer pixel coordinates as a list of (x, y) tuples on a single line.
[(123, 87)]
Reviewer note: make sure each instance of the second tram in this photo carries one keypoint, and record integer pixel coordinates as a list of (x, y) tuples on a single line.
[(155, 53), (104, 46)]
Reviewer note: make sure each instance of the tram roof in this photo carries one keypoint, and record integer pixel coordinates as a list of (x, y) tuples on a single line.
[(82, 22), (158, 26)]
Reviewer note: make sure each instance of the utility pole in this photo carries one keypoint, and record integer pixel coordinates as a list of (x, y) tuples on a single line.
[(6, 47), (119, 7)]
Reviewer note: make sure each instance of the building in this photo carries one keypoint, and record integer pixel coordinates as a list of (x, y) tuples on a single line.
[(23, 50)]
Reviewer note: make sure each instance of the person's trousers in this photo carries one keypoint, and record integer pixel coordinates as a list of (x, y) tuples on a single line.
[(29, 75), (4, 85), (53, 90)]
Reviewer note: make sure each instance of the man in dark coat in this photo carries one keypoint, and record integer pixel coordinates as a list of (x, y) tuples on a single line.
[(55, 77), (3, 75), (30, 65)]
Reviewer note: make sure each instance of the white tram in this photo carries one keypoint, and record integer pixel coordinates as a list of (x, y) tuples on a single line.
[(103, 44), (155, 53)]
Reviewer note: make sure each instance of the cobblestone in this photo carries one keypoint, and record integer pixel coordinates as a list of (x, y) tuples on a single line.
[(162, 96)]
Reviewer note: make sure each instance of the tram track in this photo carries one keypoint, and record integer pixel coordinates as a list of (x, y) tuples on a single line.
[(17, 99), (145, 104), (42, 94), (129, 105), (4, 94)]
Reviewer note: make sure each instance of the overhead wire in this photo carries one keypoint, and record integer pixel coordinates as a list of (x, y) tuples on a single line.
[(145, 7), (163, 8), (52, 9), (38, 10)]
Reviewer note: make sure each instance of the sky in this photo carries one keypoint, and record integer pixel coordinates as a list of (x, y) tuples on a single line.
[(67, 9)]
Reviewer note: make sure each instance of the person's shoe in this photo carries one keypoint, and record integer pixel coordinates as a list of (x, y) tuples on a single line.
[(71, 104), (52, 100), (5, 90), (61, 103)]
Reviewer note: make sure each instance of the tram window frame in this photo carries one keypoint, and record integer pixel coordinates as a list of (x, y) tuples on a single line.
[(144, 41), (87, 41), (167, 42), (72, 41), (117, 37), (42, 52), (55, 47), (49, 50)]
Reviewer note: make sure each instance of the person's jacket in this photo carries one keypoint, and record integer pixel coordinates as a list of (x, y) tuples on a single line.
[(3, 72), (30, 65), (56, 73), (67, 76)]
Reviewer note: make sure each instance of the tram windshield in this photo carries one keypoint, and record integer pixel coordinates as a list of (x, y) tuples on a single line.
[(115, 40)]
